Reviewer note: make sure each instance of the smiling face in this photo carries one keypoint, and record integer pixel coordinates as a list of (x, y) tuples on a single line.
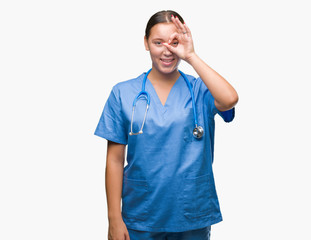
[(163, 61)]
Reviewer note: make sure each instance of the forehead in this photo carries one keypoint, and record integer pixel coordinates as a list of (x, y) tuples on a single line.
[(162, 30)]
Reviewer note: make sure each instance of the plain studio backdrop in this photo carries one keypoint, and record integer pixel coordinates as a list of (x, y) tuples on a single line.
[(58, 63)]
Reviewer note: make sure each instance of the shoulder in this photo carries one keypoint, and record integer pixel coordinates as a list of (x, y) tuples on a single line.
[(193, 80), (127, 85), (196, 82), (190, 77)]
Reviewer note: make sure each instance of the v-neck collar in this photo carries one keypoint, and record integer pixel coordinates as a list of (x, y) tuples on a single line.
[(156, 97)]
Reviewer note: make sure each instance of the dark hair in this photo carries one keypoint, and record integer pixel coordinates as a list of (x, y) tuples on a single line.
[(161, 17)]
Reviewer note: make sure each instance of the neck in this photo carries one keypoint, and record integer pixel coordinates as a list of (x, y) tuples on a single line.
[(157, 76)]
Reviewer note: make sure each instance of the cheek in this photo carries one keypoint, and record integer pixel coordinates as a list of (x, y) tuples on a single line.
[(155, 51)]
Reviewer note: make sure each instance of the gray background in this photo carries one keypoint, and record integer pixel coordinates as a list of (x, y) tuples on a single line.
[(58, 63)]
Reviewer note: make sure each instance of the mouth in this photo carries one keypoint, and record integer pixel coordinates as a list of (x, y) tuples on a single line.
[(168, 61)]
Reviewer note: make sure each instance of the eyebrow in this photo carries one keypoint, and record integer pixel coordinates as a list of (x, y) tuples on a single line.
[(157, 39), (161, 39)]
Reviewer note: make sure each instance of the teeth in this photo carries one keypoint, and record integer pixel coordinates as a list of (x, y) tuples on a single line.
[(164, 60)]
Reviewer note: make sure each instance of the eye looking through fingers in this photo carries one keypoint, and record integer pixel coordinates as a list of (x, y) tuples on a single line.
[(174, 43)]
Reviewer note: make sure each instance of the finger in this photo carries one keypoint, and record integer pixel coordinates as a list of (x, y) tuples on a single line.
[(175, 35), (178, 24), (175, 22), (188, 30)]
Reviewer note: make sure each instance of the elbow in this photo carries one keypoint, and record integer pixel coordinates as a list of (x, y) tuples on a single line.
[(234, 100), (228, 103)]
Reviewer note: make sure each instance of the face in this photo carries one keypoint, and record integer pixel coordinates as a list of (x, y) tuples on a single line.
[(163, 60)]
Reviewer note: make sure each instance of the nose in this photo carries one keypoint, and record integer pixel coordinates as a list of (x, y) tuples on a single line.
[(166, 51)]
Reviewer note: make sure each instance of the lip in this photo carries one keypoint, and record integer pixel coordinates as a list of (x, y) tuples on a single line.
[(168, 61)]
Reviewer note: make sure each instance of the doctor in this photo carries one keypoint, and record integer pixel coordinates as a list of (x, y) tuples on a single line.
[(167, 187)]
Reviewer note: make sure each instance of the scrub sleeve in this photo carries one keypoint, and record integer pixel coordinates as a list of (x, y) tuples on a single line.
[(227, 116), (209, 102), (111, 126)]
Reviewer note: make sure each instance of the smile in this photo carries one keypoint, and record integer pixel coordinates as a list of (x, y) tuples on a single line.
[(167, 61)]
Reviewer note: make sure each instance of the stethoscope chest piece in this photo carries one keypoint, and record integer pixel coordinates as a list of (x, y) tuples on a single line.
[(198, 132)]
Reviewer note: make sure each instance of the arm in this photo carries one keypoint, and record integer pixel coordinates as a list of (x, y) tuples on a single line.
[(114, 179), (224, 94)]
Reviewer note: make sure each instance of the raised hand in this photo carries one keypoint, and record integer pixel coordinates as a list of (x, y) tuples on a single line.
[(180, 42)]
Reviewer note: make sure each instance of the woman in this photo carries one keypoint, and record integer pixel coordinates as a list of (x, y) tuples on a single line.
[(167, 188)]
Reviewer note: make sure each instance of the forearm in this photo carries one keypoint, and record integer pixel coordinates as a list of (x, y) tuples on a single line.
[(114, 178), (224, 94)]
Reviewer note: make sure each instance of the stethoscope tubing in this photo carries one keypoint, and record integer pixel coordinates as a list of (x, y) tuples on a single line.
[(145, 93), (192, 97)]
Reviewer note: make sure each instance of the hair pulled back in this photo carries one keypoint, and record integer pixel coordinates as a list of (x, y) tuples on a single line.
[(161, 17)]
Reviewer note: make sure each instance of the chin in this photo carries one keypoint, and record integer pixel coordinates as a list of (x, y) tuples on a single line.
[(167, 70)]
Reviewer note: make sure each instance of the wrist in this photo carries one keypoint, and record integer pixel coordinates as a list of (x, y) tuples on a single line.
[(114, 216), (191, 58)]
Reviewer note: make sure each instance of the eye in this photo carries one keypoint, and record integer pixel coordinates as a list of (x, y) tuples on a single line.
[(175, 43), (158, 43)]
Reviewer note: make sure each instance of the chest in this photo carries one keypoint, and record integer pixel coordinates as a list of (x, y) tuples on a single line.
[(162, 90)]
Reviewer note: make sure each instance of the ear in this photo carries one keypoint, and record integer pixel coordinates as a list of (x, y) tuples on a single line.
[(146, 43)]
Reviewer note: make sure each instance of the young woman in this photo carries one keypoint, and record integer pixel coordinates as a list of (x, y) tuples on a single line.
[(166, 119)]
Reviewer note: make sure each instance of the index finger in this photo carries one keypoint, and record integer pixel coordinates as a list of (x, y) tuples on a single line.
[(172, 37)]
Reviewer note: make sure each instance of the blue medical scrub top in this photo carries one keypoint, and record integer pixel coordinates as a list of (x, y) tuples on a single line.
[(168, 182)]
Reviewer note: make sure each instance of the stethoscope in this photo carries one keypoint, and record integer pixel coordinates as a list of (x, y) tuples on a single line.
[(197, 131)]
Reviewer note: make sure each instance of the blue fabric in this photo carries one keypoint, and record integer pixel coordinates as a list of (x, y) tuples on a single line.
[(198, 234), (168, 182)]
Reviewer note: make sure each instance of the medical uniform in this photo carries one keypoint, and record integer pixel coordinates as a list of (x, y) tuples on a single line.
[(168, 182)]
